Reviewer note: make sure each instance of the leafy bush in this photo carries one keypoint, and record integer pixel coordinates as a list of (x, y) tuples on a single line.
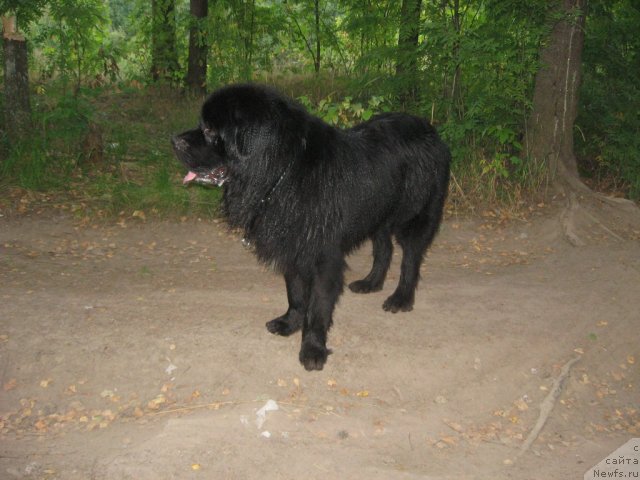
[(135, 170), (608, 123), (345, 113)]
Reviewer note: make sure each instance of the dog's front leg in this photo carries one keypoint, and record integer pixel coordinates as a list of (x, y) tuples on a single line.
[(298, 288), (326, 287)]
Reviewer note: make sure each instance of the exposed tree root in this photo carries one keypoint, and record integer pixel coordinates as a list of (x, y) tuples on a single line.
[(587, 212), (546, 407), (567, 219)]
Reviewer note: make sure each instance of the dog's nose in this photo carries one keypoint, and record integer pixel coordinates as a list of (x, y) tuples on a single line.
[(179, 143)]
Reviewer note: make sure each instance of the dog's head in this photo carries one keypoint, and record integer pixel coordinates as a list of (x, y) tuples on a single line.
[(244, 130), (202, 151)]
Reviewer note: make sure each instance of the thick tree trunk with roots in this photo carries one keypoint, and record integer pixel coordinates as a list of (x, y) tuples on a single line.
[(16, 77), (550, 131), (555, 97)]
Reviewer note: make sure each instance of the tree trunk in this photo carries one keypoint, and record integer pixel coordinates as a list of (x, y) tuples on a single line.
[(316, 60), (197, 70), (550, 134), (555, 97), (164, 55), (452, 81), (16, 79), (408, 35)]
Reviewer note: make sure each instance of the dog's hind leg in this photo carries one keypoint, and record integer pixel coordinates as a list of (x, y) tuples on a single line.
[(298, 297), (414, 237), (326, 288), (382, 251)]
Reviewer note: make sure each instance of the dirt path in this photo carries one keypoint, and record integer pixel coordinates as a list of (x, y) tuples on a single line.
[(138, 351)]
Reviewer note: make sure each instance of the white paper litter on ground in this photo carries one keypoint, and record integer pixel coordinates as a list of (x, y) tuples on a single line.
[(261, 415)]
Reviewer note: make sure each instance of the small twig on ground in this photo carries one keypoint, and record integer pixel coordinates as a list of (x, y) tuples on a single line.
[(546, 407), (190, 408)]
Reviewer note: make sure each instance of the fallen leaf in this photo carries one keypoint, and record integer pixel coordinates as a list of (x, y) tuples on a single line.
[(10, 385), (362, 394), (108, 414), (618, 376), (156, 402), (454, 426), (452, 441), (41, 425), (139, 214), (107, 393), (631, 359)]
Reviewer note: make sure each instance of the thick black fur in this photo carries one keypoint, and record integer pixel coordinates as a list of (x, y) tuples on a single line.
[(306, 194)]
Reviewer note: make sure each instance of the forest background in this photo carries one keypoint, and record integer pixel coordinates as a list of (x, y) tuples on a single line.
[(110, 81)]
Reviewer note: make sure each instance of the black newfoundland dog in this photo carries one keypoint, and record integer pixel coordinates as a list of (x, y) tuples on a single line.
[(306, 194)]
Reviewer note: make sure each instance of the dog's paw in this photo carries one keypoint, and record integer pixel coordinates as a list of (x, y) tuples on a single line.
[(364, 286), (398, 303), (285, 325), (313, 356)]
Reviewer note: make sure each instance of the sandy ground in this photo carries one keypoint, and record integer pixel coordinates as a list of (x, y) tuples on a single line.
[(137, 350)]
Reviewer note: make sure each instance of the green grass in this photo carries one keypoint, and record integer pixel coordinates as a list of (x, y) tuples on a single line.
[(136, 172), (138, 175)]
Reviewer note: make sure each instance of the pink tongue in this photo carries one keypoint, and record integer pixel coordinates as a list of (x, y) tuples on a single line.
[(189, 177)]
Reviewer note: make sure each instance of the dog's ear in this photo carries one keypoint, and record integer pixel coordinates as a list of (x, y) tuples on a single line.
[(295, 131), (241, 140), (239, 117)]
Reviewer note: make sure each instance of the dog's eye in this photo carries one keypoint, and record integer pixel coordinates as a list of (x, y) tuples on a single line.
[(210, 136)]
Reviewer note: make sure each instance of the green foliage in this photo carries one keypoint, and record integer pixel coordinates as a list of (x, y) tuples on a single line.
[(71, 40), (47, 158), (25, 11), (345, 113), (136, 170), (608, 123), (479, 68), (475, 67)]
